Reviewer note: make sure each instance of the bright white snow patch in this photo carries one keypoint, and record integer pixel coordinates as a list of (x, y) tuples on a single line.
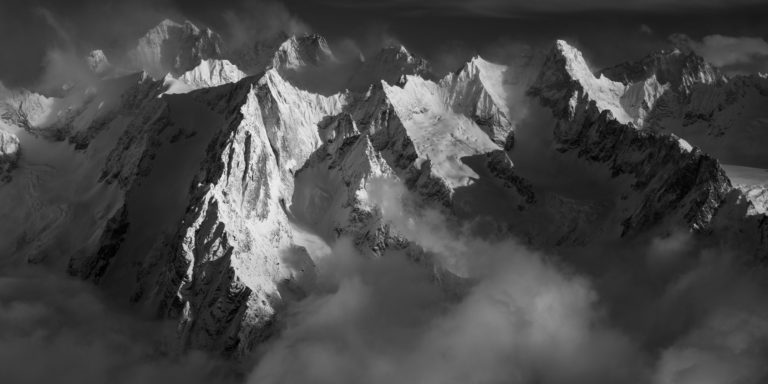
[(605, 92), (209, 73), (438, 133)]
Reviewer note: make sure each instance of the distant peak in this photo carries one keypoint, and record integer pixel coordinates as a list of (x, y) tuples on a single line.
[(395, 50), (97, 61), (168, 23), (574, 62), (680, 68)]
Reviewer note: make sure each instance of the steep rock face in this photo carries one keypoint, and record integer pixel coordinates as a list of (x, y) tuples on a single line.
[(388, 65), (174, 48), (669, 179), (218, 245)]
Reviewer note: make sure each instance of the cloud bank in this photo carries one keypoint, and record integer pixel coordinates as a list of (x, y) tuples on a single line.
[(523, 316), (53, 329)]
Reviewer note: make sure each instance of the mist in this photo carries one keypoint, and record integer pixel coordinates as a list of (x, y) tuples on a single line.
[(56, 329), (671, 311)]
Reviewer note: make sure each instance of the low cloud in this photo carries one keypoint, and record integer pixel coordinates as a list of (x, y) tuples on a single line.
[(261, 21), (522, 315), (524, 318), (53, 329)]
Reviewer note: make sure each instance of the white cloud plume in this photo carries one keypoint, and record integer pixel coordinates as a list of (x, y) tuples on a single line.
[(525, 318)]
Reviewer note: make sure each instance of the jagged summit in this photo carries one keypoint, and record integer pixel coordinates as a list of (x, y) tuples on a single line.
[(478, 90), (594, 123), (389, 64), (197, 196), (565, 76), (175, 48), (209, 73), (679, 69), (302, 51)]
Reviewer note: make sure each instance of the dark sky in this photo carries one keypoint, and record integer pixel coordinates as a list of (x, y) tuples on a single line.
[(607, 31)]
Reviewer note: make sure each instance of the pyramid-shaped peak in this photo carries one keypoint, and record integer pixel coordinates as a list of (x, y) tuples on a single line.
[(564, 56)]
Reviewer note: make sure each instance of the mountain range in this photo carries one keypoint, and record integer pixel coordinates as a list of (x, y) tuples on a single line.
[(192, 183)]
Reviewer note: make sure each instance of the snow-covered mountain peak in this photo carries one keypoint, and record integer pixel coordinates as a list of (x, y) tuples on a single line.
[(678, 68), (390, 64), (566, 77), (209, 73), (440, 134), (478, 90), (175, 48), (302, 51), (490, 75)]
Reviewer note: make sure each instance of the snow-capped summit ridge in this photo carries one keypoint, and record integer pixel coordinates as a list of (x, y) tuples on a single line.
[(210, 73), (301, 51), (681, 70)]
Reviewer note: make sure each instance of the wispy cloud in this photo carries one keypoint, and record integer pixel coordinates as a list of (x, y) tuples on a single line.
[(732, 53)]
